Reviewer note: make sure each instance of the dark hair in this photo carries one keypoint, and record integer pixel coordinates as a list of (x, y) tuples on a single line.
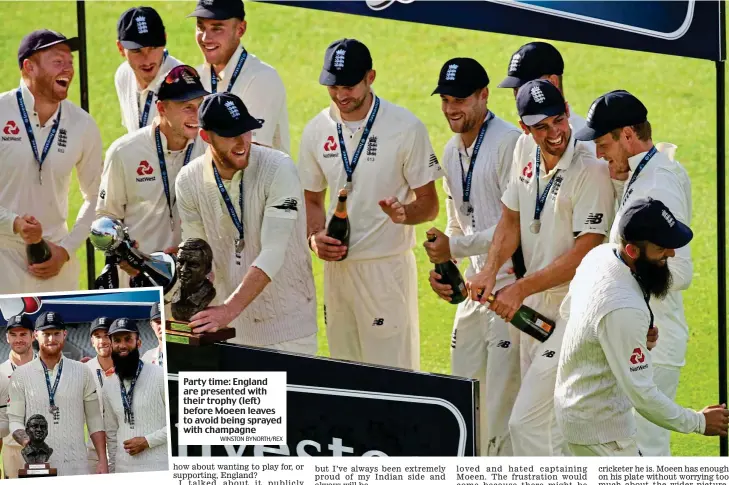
[(197, 244)]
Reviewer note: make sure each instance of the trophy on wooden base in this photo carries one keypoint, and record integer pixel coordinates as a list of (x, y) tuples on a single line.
[(194, 294), (37, 453)]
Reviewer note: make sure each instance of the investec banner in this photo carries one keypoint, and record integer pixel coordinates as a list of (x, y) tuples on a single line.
[(687, 28), (338, 408)]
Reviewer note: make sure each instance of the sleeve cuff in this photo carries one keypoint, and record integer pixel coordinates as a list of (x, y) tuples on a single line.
[(702, 423)]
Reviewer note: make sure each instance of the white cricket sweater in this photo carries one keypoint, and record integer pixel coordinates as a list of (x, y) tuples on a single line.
[(77, 401), (605, 368), (150, 422), (100, 376)]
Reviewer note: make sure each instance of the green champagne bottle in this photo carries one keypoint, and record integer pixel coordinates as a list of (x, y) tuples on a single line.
[(531, 322), (450, 275), (38, 252), (338, 227)]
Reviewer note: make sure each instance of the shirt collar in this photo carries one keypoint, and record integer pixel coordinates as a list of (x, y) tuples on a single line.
[(635, 160), (29, 101), (163, 138), (337, 116), (230, 66)]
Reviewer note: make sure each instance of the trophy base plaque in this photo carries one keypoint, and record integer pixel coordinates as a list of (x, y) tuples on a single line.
[(178, 332), (37, 470)]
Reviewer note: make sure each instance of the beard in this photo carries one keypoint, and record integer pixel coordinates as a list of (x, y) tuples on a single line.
[(126, 366), (654, 278)]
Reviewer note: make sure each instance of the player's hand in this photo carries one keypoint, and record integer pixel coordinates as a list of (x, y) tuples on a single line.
[(394, 210), (439, 251), (617, 173), (481, 285), (443, 291), (508, 300), (717, 420), (327, 248), (29, 229), (135, 446), (53, 266), (126, 267), (85, 359), (652, 337), (102, 468), (212, 319)]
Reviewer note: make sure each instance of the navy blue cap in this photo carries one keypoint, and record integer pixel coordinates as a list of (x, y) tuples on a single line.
[(346, 62), (610, 111), (141, 27), (537, 100), (225, 115), (181, 83), (43, 39), (219, 9), (99, 323), (154, 313), (650, 220), (49, 321), (123, 325), (532, 61), (21, 321), (461, 77)]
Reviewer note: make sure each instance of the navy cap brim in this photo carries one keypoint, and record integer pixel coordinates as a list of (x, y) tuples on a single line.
[(206, 13), (679, 237), (128, 44), (326, 78), (50, 327), (187, 96), (236, 129), (512, 82), (455, 91), (588, 134), (531, 120), (122, 330), (73, 43)]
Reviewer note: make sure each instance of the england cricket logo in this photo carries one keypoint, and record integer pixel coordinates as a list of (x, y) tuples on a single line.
[(591, 112), (339, 59), (232, 109), (514, 64), (537, 94), (141, 24), (451, 72)]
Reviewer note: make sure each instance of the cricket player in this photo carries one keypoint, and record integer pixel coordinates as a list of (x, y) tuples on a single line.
[(141, 40), (155, 356), (102, 368), (477, 162), (230, 68), (245, 201), (135, 416), (618, 124), (44, 138), (605, 369), (63, 391), (382, 155), (558, 206)]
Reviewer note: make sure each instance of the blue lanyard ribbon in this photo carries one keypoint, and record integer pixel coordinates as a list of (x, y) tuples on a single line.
[(31, 135), (226, 198), (52, 390), (350, 167), (467, 178), (163, 167), (637, 171), (233, 77), (98, 375), (127, 397), (144, 115), (542, 199)]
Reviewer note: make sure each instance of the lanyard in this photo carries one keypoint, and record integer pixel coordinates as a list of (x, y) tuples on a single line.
[(646, 295), (542, 199), (233, 77), (160, 358), (31, 135), (52, 390), (350, 167), (127, 397), (637, 171), (466, 179), (231, 210), (98, 375), (163, 168), (144, 115)]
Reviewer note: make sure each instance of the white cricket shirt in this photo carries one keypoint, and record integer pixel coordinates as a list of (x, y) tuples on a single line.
[(398, 157), (264, 94)]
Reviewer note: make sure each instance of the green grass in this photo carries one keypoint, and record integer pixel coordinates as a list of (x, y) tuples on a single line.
[(679, 94)]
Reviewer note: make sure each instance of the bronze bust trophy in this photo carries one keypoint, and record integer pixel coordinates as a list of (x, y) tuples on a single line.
[(36, 452)]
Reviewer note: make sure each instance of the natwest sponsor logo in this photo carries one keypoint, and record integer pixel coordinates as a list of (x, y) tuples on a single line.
[(11, 130), (636, 358), (527, 172), (144, 170), (330, 147)]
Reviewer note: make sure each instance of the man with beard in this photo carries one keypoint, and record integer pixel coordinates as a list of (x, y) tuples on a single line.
[(19, 334), (380, 153), (558, 206), (141, 41), (618, 123), (605, 369), (155, 356), (63, 391), (102, 367), (230, 68), (44, 138), (244, 200), (135, 415), (477, 161)]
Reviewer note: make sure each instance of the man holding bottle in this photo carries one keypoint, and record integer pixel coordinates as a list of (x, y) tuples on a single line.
[(477, 162)]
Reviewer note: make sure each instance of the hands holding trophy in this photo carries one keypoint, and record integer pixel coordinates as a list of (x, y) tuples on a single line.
[(36, 452)]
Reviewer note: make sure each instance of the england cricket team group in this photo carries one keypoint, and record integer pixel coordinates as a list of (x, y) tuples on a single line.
[(583, 220)]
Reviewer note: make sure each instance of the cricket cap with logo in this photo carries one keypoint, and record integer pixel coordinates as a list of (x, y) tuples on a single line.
[(140, 27), (43, 39), (20, 321), (154, 313), (460, 77), (219, 9), (346, 62), (537, 100), (123, 325), (182, 83), (610, 111), (650, 220), (225, 115), (102, 323), (49, 321), (532, 61)]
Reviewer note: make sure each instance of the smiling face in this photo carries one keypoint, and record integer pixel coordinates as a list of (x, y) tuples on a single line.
[(232, 152), (101, 343), (464, 114), (181, 116), (51, 341), (551, 134), (50, 72), (20, 340), (218, 39), (145, 62)]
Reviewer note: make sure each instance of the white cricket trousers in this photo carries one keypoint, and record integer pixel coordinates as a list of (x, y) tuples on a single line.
[(16, 279), (482, 348), (304, 345), (371, 310), (626, 447), (652, 439), (533, 424)]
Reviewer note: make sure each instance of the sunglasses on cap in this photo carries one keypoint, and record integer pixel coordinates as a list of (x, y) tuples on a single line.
[(180, 72)]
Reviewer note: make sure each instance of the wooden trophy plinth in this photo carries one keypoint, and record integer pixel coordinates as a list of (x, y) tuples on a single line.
[(178, 332), (37, 470)]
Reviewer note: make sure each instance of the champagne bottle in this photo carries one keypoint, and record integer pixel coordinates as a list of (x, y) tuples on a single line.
[(39, 252), (450, 275), (531, 322), (338, 227), (517, 261)]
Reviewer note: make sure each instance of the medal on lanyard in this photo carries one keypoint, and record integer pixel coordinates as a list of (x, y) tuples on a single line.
[(163, 169), (128, 397), (536, 224), (350, 167), (637, 171), (466, 179), (240, 241), (53, 408), (233, 77), (31, 135)]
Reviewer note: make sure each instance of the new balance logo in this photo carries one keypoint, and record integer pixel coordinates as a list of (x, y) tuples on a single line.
[(504, 344), (433, 161), (339, 59), (451, 72), (102, 194), (141, 24), (549, 354), (379, 322), (668, 217), (514, 64), (593, 218), (325, 314), (453, 339), (288, 205), (537, 94)]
